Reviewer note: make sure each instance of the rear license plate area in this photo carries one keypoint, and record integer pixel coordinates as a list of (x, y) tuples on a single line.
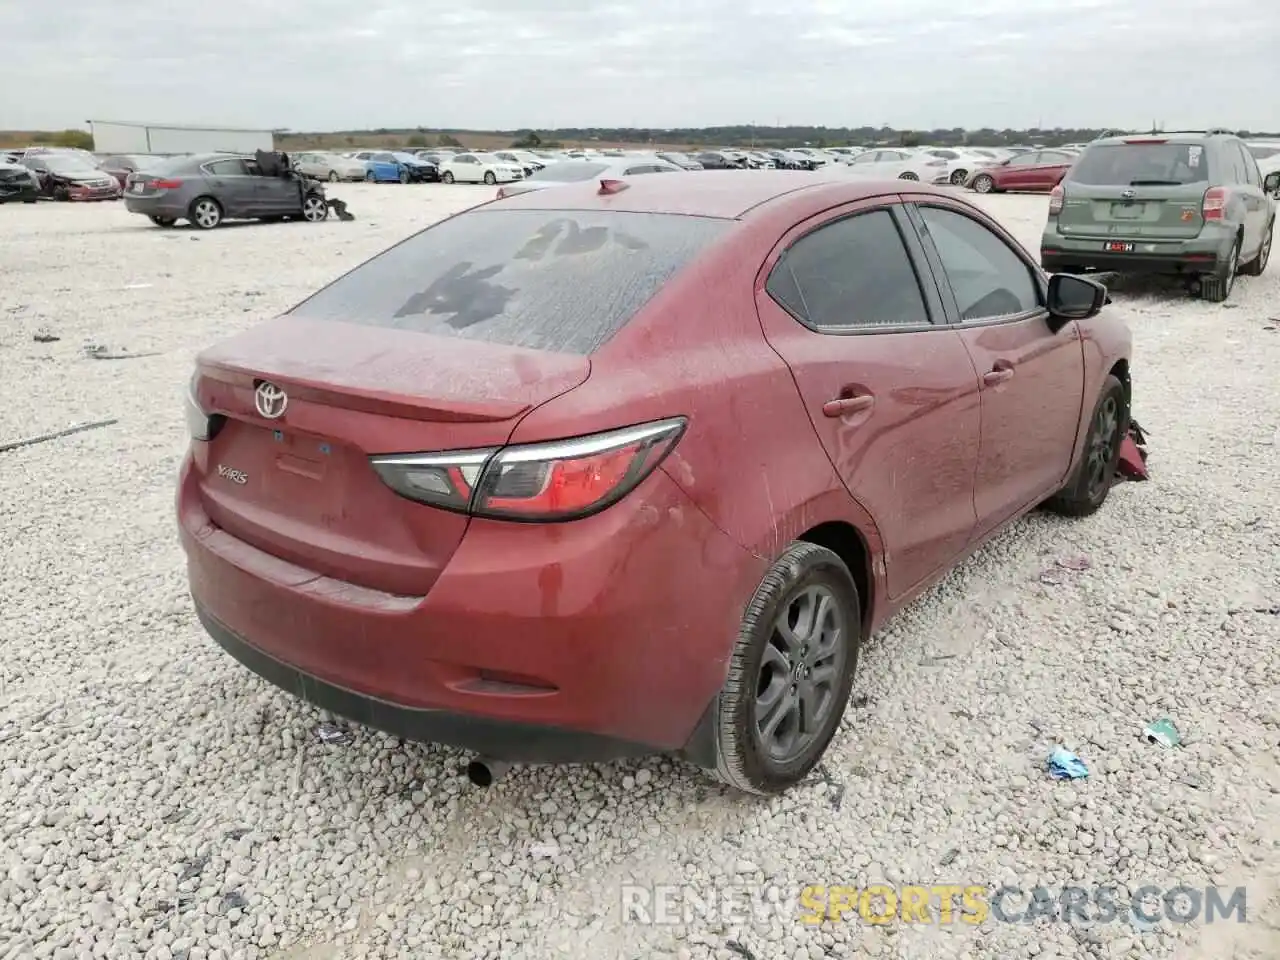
[(1117, 246), (1127, 211), (305, 473)]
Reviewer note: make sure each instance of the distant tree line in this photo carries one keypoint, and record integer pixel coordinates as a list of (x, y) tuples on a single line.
[(746, 135)]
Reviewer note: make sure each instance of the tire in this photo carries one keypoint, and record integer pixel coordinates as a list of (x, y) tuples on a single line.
[(404, 176), (205, 213), (1216, 287), (908, 175), (314, 208), (805, 575), (333, 176), (370, 177), (984, 184), (62, 195), (1092, 480), (163, 221), (489, 178), (959, 177), (448, 176), (1258, 264)]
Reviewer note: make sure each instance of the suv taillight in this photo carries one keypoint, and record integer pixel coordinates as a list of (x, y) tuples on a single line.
[(1055, 200), (560, 480), (1215, 202)]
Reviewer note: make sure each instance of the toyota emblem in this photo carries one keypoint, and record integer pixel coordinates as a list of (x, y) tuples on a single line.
[(270, 400)]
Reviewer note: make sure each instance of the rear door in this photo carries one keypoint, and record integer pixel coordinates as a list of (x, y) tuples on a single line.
[(847, 300), (1050, 167), (1019, 173), (233, 187), (1256, 203), (1145, 187), (1032, 379)]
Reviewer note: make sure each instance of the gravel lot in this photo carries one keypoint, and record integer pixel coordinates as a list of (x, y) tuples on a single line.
[(159, 801)]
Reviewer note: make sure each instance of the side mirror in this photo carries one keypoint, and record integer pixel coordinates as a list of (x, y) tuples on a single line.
[(1073, 298), (1271, 184)]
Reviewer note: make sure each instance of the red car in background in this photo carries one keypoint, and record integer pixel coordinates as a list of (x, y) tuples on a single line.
[(68, 176), (121, 165), (634, 468), (1033, 172)]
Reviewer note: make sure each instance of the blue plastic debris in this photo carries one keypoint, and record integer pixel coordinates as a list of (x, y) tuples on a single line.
[(1065, 765)]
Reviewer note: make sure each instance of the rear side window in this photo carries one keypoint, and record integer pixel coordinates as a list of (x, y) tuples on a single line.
[(850, 274), (1135, 164), (563, 281)]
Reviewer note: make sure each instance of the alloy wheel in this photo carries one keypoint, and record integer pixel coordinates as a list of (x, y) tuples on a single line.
[(800, 673), (983, 184), (1102, 444), (206, 214), (314, 208)]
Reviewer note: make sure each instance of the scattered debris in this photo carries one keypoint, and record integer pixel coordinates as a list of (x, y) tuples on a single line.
[(193, 868), (1235, 611), (138, 286), (544, 851), (826, 777), (861, 701), (949, 857), (98, 351), (1065, 765), (934, 659), (1163, 732), (962, 714), (328, 733), (237, 832), (733, 946), (1077, 564), (43, 335), (57, 434), (232, 901)]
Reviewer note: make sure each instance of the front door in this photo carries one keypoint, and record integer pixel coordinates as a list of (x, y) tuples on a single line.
[(1032, 379), (888, 385)]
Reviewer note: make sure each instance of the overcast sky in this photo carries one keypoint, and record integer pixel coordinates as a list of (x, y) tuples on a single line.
[(504, 64)]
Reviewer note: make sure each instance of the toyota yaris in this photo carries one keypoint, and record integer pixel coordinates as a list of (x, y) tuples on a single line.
[(623, 468)]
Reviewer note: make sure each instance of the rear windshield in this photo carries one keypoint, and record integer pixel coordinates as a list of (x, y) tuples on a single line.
[(563, 281), (1134, 164)]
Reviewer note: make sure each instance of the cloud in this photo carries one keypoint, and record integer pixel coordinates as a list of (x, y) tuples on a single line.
[(326, 64)]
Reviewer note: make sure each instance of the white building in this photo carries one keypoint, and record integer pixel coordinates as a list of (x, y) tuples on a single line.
[(113, 137)]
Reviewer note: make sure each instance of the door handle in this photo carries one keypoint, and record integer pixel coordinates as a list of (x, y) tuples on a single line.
[(999, 375), (844, 405)]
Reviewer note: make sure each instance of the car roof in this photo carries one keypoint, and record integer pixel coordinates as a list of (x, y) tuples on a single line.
[(724, 194), (1175, 137)]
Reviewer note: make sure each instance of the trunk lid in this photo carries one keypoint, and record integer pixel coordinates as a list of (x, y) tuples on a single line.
[(1149, 188), (300, 486), (1149, 212)]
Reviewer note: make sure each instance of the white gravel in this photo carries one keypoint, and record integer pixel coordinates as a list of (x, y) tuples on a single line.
[(160, 802)]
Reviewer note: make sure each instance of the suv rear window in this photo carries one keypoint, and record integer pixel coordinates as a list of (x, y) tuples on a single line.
[(1134, 164), (557, 280)]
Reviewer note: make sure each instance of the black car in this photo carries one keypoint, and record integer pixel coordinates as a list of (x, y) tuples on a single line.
[(711, 160), (67, 176), (18, 183)]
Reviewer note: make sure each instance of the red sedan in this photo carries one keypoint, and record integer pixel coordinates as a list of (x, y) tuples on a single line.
[(1034, 172), (624, 468)]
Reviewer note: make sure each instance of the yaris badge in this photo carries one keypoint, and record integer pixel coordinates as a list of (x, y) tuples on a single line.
[(270, 400)]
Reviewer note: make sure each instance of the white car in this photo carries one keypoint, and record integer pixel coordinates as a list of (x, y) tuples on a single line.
[(479, 168), (960, 163), (1267, 155), (329, 166), (899, 164)]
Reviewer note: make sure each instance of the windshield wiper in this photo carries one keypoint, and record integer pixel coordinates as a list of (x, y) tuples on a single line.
[(1156, 183)]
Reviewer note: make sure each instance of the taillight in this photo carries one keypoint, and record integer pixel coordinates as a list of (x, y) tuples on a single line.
[(560, 480), (160, 184), (201, 425), (1215, 202), (1055, 200)]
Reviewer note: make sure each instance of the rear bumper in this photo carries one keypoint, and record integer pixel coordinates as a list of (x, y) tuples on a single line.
[(537, 643), (15, 193), (158, 206), (1172, 257)]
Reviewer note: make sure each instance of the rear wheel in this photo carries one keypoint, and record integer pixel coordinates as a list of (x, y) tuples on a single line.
[(908, 175), (1255, 266), (1089, 485), (448, 176), (984, 184), (333, 176), (1216, 287), (958, 178), (205, 213), (790, 673), (371, 176), (163, 221), (489, 178)]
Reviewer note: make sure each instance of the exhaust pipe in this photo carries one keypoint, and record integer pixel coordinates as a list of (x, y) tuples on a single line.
[(484, 771)]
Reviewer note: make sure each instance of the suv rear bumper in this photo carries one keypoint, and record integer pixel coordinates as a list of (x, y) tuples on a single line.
[(1199, 255)]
